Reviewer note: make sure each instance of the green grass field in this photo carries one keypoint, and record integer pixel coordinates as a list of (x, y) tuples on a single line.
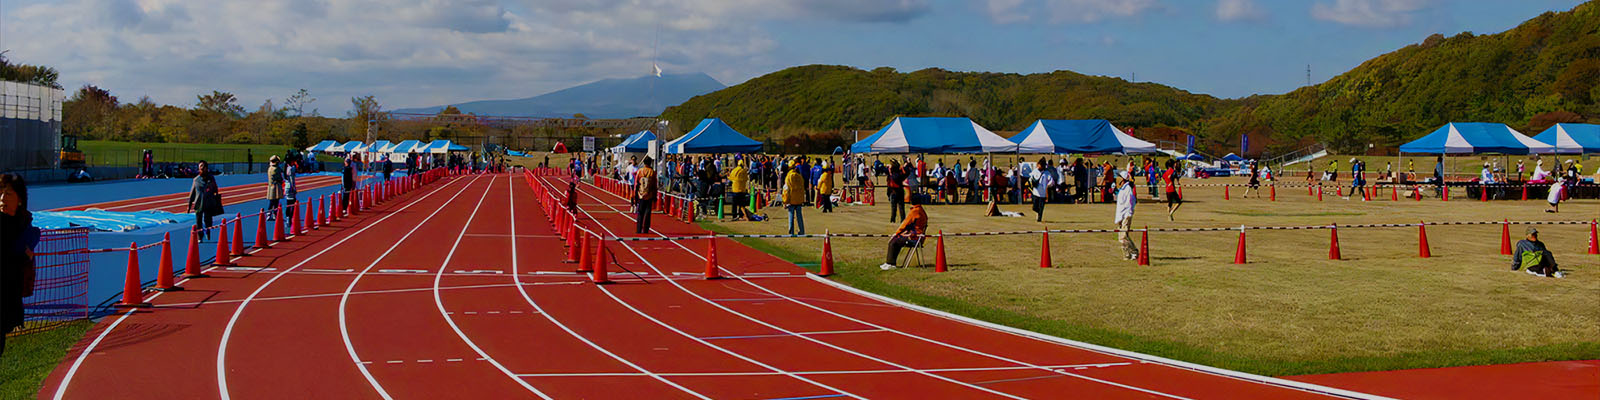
[(29, 358), (1289, 311), (110, 153)]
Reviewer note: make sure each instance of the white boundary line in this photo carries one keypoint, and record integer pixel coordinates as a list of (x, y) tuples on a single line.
[(227, 332), (344, 298), (1314, 388), (517, 277), (438, 301), (386, 291), (833, 372), (768, 367), (627, 245)]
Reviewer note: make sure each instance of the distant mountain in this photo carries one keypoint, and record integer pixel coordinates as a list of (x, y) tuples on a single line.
[(609, 98)]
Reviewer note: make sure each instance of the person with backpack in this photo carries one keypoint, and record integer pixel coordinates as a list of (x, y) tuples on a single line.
[(1531, 255), (205, 200)]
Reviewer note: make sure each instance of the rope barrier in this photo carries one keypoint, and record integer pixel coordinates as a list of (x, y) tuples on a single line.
[(1036, 232)]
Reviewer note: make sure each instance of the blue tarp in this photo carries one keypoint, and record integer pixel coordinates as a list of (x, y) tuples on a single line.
[(515, 153), (935, 136), (712, 136), (111, 221), (1572, 138), (636, 143), (1051, 136), (1475, 138)]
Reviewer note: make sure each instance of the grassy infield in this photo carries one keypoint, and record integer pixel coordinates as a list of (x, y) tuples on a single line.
[(1289, 311), (29, 358), (105, 152)]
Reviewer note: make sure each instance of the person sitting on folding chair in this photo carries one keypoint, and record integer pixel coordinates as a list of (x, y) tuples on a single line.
[(908, 235)]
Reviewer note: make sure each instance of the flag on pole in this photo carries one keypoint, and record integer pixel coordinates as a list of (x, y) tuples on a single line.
[(1190, 150), (1244, 144)]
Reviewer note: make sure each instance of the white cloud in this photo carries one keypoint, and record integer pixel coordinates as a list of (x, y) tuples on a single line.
[(407, 52), (1059, 11), (1239, 10), (1368, 13)]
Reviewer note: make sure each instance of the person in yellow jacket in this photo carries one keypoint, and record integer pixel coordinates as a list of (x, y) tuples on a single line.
[(825, 188), (794, 199), (739, 189)]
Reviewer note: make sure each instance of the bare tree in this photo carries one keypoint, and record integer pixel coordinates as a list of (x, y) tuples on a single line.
[(298, 102)]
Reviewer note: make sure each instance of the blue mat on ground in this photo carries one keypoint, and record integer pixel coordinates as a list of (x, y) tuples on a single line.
[(107, 221)]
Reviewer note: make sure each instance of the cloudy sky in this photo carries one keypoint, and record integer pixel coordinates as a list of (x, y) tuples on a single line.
[(429, 52)]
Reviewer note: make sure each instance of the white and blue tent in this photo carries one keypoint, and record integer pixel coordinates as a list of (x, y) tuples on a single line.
[(323, 146), (1476, 138), (405, 146), (347, 147), (1232, 157), (712, 136), (1572, 138), (379, 146), (1086, 136), (635, 143), (935, 136)]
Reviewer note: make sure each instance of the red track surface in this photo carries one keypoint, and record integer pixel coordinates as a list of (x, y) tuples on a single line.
[(458, 291), (1542, 380), (178, 202)]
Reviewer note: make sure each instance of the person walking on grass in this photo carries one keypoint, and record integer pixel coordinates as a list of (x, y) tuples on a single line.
[(274, 185), (794, 199), (1043, 180), (1127, 197), (896, 191), (644, 195), (1170, 179), (1532, 256), (204, 200), (1255, 181), (909, 234), (18, 237)]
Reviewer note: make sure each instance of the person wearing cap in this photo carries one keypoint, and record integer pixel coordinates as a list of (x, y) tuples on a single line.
[(1043, 180), (909, 234), (274, 184), (1531, 255), (644, 195), (739, 188), (1557, 191), (794, 198), (825, 187), (1127, 196)]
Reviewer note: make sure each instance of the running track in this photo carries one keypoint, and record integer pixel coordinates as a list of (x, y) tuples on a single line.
[(179, 202), (457, 290)]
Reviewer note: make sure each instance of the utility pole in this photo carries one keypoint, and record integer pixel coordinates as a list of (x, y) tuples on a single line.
[(1308, 74)]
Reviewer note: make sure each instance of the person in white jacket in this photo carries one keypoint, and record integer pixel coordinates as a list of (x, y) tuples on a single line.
[(1127, 196)]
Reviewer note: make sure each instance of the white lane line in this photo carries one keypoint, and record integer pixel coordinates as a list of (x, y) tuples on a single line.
[(405, 271), (245, 188), (626, 245), (908, 335), (344, 298), (828, 372), (327, 270), (384, 291), (517, 277), (692, 337), (438, 300)]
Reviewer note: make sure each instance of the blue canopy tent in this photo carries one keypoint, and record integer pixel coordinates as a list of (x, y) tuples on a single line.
[(1572, 138), (1050, 136), (1476, 138), (405, 146), (935, 136), (1193, 157), (456, 147), (636, 143), (1232, 157), (712, 136), (379, 146), (323, 146)]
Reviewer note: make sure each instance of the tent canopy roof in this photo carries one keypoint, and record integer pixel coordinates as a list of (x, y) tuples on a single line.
[(1476, 138), (940, 135), (636, 143), (323, 145), (713, 136), (405, 146), (1572, 138), (1054, 136)]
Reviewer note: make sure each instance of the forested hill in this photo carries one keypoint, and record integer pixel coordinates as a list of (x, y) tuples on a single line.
[(823, 97), (1547, 70)]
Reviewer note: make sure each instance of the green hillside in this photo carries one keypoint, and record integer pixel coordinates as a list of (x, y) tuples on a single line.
[(1545, 71)]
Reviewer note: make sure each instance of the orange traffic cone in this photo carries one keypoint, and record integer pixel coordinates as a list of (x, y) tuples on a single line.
[(1594, 238), (1394, 194), (191, 261), (939, 264), (1238, 254), (132, 295), (1274, 192), (1422, 241), (1144, 247), (1524, 192), (1505, 237), (222, 247), (600, 274), (237, 249), (711, 258), (278, 226), (572, 251), (1225, 192), (261, 230), (1319, 193), (1044, 250), (826, 267), (1333, 244), (164, 269)]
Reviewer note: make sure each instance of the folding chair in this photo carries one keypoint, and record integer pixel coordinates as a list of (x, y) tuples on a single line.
[(916, 249)]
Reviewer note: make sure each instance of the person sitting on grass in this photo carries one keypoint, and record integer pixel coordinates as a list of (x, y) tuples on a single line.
[(909, 234), (1531, 255)]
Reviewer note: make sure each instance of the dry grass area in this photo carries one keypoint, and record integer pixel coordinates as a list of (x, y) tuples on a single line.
[(1289, 311)]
